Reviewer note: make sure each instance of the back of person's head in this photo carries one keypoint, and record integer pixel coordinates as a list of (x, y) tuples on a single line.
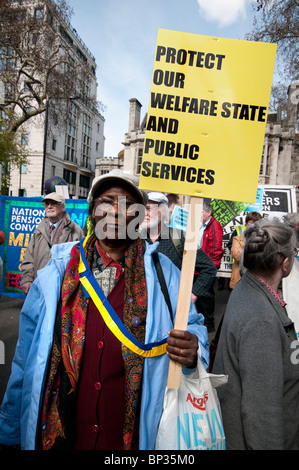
[(252, 217), (173, 199), (292, 220), (268, 243)]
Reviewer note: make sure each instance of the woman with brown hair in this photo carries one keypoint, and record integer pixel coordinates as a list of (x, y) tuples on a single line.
[(238, 247)]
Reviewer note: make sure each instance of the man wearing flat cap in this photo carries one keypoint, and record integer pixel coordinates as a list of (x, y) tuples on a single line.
[(100, 373), (56, 227)]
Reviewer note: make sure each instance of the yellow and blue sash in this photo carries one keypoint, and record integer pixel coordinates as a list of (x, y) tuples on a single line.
[(92, 290)]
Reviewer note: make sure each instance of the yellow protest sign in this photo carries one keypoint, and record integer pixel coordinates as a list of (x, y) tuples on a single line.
[(207, 116)]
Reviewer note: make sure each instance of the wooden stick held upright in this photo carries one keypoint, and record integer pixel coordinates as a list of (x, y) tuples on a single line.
[(186, 281)]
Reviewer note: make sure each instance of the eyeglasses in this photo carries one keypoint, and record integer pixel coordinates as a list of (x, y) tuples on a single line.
[(124, 205), (52, 203)]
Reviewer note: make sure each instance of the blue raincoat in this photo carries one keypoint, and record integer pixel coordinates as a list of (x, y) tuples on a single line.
[(22, 402)]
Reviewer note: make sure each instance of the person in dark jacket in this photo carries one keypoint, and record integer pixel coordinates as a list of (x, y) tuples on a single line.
[(210, 241), (258, 348), (171, 244)]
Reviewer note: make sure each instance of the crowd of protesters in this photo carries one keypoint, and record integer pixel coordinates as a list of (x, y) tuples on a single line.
[(82, 382)]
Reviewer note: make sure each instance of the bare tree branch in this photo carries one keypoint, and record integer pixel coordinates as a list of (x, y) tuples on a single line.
[(277, 21), (38, 58)]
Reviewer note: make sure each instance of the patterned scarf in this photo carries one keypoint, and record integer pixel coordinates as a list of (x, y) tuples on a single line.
[(276, 293), (58, 422)]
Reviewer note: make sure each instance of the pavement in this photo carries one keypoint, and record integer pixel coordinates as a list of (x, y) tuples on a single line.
[(10, 309)]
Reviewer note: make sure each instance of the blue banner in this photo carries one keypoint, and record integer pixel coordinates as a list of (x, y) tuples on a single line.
[(19, 218)]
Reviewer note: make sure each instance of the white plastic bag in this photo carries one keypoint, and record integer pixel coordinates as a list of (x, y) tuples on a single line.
[(191, 417)]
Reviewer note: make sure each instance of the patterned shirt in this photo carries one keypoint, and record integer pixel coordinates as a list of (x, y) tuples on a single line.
[(106, 270)]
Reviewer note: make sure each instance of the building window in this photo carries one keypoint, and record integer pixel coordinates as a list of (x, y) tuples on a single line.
[(69, 69), (3, 118), (264, 161), (24, 139), (54, 142), (35, 39), (55, 119), (97, 146), (84, 182), (284, 115), (8, 90), (39, 13), (53, 170), (23, 169), (69, 176), (70, 64), (86, 141), (7, 59), (81, 55), (139, 161), (262, 165), (85, 90), (66, 35), (71, 134)]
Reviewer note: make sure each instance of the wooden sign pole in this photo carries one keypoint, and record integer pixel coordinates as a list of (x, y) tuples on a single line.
[(186, 281)]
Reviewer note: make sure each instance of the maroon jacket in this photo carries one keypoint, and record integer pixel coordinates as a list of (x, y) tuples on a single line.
[(212, 241)]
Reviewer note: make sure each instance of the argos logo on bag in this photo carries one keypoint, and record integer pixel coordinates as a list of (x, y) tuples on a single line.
[(199, 403)]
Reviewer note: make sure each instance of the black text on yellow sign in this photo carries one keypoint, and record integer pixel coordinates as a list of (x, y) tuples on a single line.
[(207, 115)]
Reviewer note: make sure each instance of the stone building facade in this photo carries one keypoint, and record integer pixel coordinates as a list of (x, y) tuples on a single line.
[(280, 160), (106, 164), (134, 139), (67, 139)]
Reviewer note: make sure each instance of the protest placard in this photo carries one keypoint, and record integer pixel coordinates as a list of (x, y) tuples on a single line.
[(272, 201), (257, 205), (206, 121), (225, 211), (207, 116), (179, 218)]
